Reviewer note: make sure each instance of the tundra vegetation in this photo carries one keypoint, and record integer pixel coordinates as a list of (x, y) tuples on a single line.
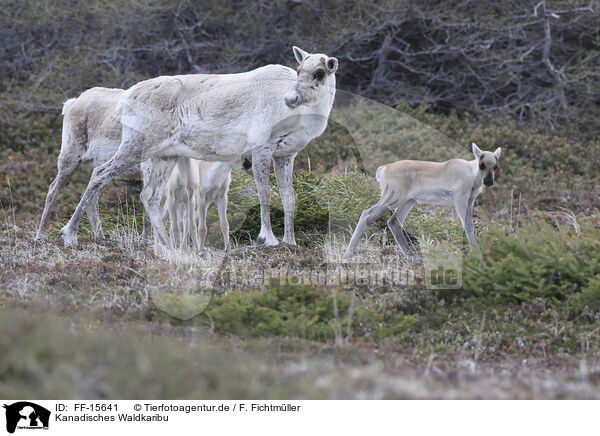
[(94, 321)]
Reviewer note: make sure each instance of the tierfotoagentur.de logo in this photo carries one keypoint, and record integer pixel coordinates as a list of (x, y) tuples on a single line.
[(25, 415)]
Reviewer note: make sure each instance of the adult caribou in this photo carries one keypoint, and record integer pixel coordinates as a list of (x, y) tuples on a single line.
[(91, 134), (271, 112)]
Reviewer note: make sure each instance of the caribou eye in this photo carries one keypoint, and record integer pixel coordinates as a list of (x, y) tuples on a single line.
[(319, 75), (482, 166)]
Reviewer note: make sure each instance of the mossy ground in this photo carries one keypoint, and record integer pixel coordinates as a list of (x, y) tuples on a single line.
[(91, 321), (98, 321)]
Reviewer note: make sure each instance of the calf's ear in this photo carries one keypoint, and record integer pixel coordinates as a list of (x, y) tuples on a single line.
[(498, 152), (299, 54)]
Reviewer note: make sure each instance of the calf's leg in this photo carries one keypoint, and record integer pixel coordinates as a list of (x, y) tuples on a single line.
[(367, 218), (202, 229), (151, 194), (224, 223), (396, 223), (464, 210), (190, 219)]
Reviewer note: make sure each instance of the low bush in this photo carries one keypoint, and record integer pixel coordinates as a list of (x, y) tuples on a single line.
[(538, 260), (301, 311)]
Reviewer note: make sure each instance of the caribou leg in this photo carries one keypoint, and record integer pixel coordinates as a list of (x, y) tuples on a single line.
[(66, 167), (284, 167), (224, 223), (261, 167), (368, 217), (146, 224), (202, 229), (126, 156), (151, 195), (396, 226), (94, 217)]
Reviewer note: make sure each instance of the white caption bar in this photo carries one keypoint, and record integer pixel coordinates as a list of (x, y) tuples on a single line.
[(298, 417)]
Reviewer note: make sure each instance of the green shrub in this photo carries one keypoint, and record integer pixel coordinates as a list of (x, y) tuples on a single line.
[(537, 261), (301, 311), (588, 298), (244, 208), (294, 311)]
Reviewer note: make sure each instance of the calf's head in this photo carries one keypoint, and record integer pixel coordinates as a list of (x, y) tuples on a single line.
[(316, 75), (488, 163)]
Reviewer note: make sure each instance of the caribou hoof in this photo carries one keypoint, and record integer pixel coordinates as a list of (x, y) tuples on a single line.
[(145, 238), (69, 238), (412, 257), (267, 241)]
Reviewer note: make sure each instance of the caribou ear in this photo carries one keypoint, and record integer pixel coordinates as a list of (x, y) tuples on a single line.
[(299, 54), (498, 152), (476, 150), (332, 65)]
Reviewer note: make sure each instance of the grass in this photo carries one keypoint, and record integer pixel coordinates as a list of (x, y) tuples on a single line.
[(128, 327), (45, 357), (110, 319)]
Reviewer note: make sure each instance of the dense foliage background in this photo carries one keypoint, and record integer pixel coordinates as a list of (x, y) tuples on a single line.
[(537, 61)]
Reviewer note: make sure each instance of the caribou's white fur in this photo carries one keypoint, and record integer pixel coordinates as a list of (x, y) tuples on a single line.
[(408, 182), (270, 112), (193, 186), (314, 120), (91, 135)]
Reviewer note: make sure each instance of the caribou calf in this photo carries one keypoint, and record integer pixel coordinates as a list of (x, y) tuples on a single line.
[(196, 183), (408, 182)]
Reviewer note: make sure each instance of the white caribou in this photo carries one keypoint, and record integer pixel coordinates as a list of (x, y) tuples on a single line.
[(271, 112), (91, 134)]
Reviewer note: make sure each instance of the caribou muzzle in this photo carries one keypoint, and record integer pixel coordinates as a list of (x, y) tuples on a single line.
[(292, 99)]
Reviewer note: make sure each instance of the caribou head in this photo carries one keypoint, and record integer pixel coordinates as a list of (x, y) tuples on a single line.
[(316, 76)]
